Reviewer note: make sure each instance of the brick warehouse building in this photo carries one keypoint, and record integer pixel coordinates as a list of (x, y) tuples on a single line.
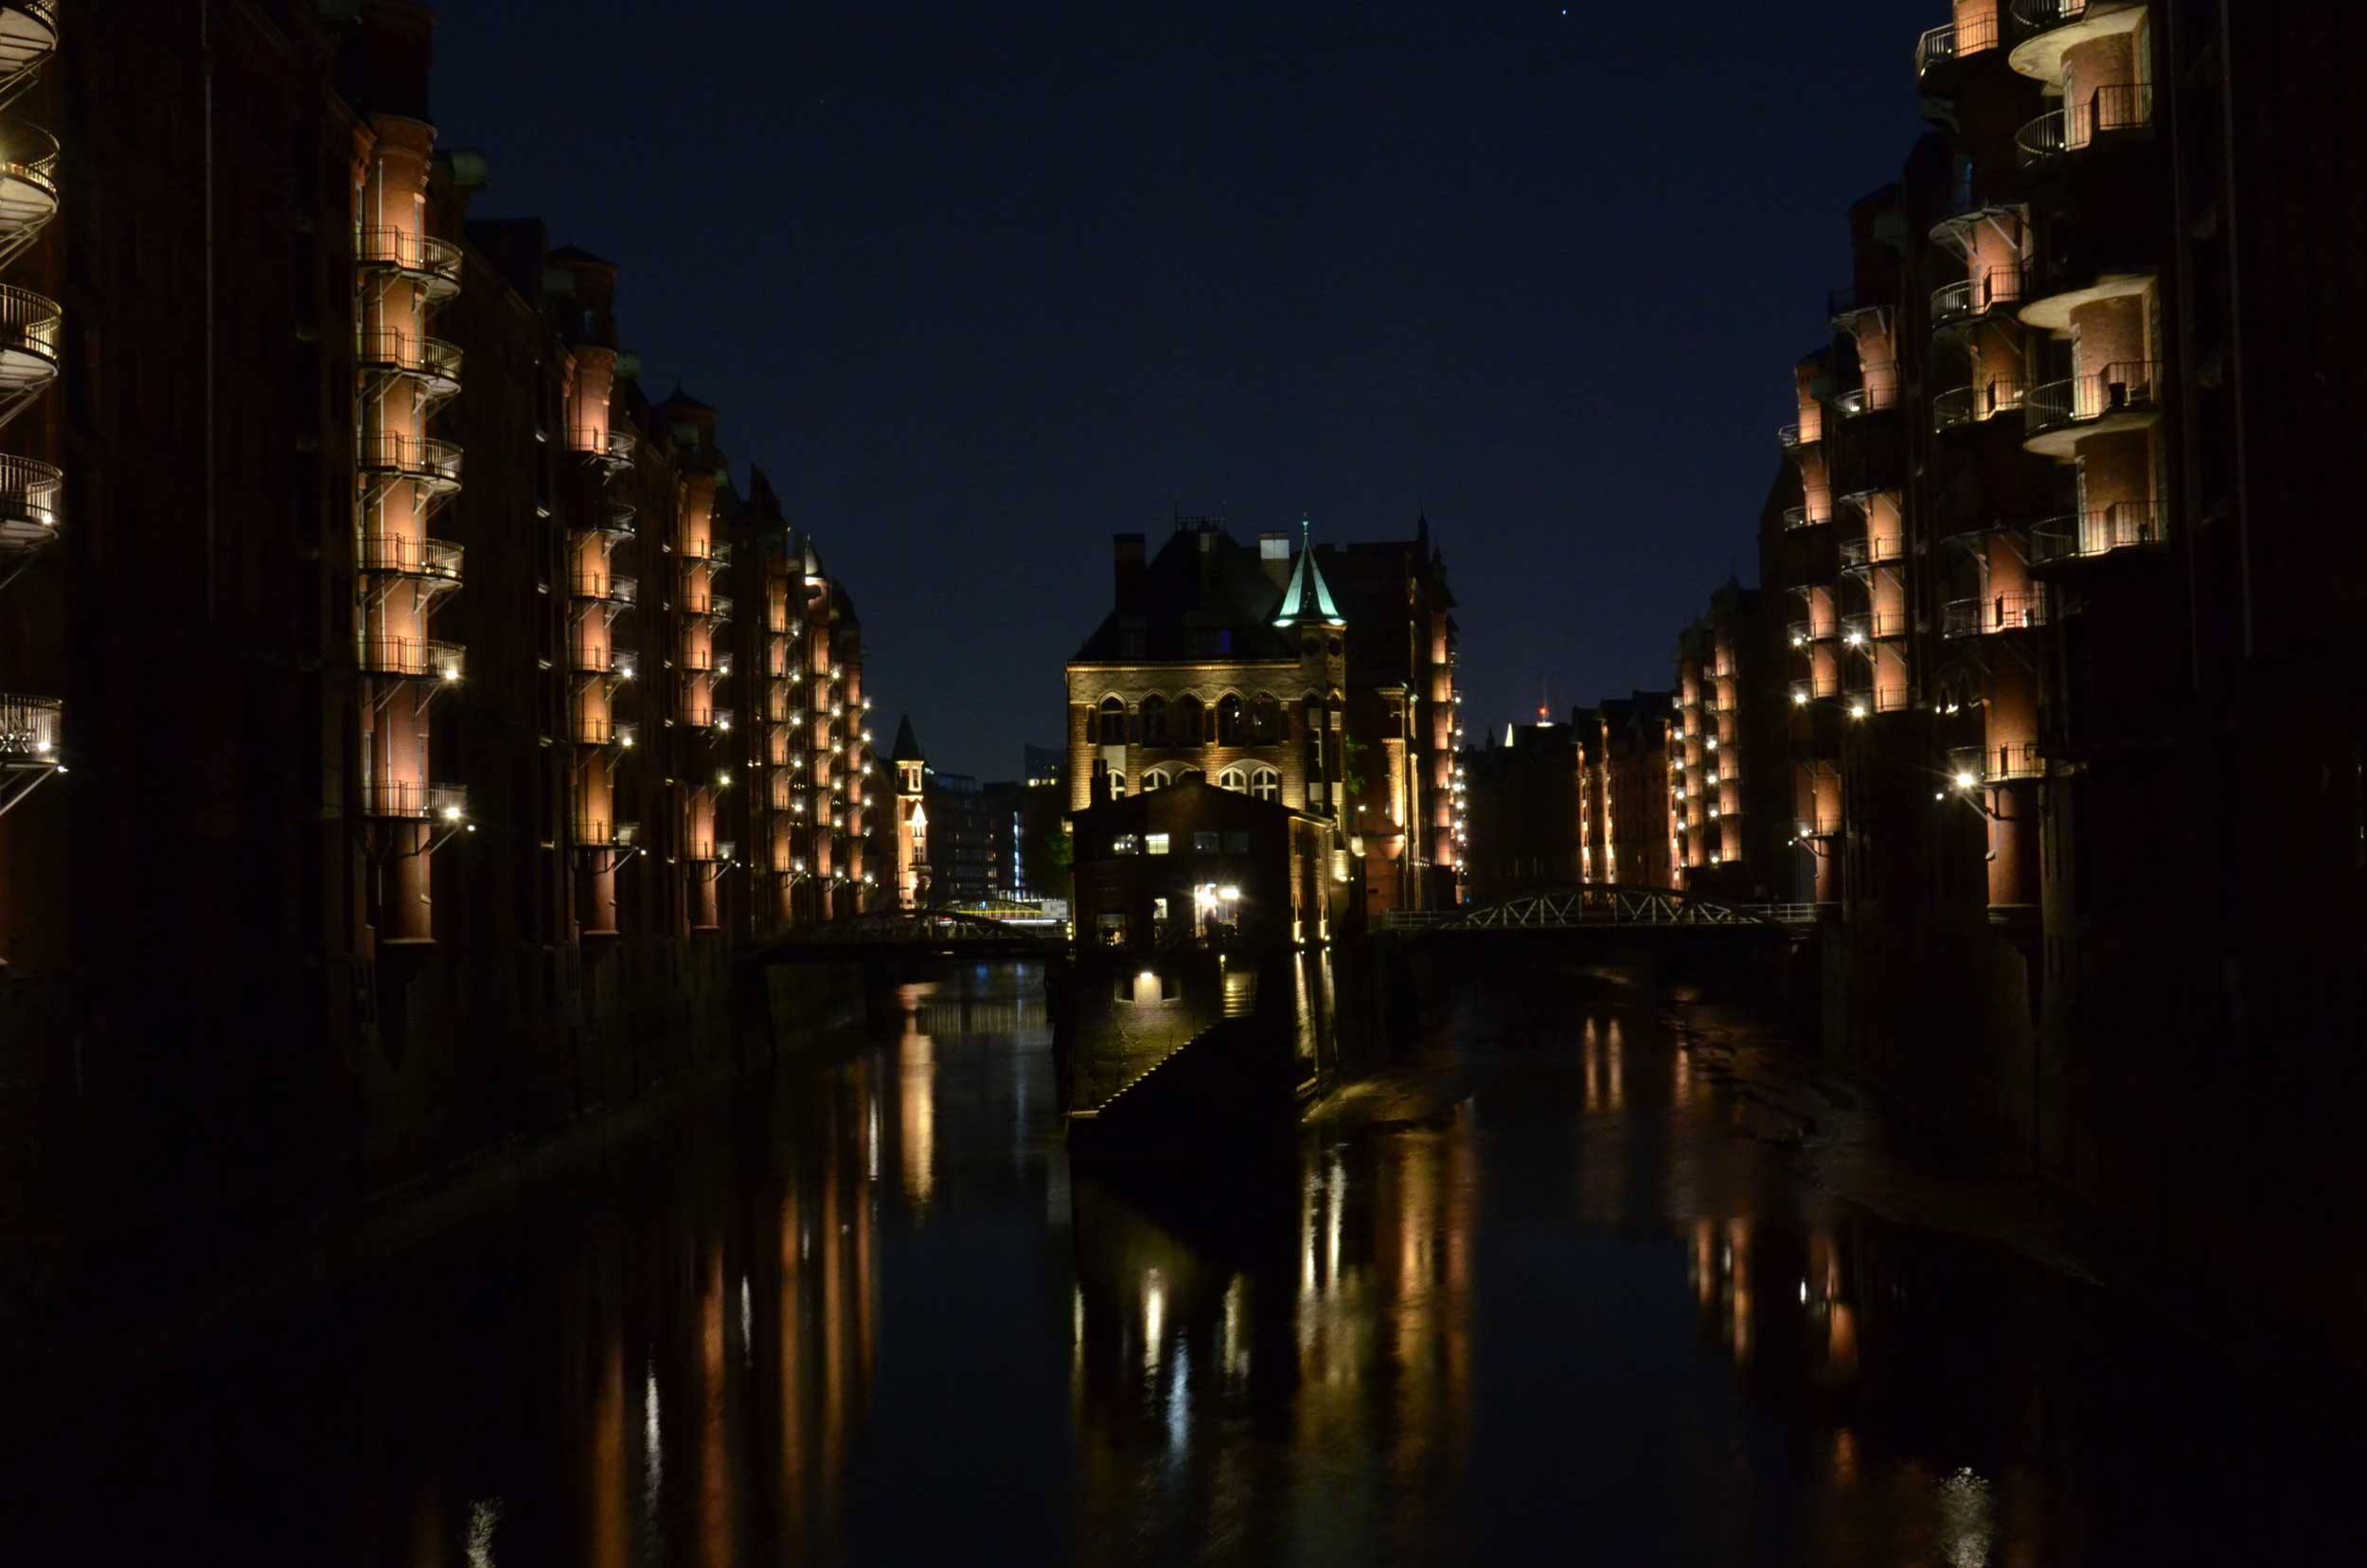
[(1322, 678), (412, 789)]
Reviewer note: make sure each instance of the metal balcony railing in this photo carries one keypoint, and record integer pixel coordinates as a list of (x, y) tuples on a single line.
[(402, 798), (1995, 764), (1892, 699), (1998, 612), (1867, 400), (26, 42), (1797, 633), (2125, 524), (1972, 297), (713, 606), (413, 658), (614, 445), (705, 716), (1968, 406), (2119, 107), (2130, 386), (30, 729), (1824, 825), (1887, 624), (392, 555), (717, 552), (430, 461), (430, 359), (590, 729), (595, 833), (435, 263), (29, 183), (614, 516), (605, 587), (1792, 436), (29, 338), (29, 494), (1807, 517), (2037, 16)]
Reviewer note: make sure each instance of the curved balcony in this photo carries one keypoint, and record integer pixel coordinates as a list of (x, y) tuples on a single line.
[(433, 560), (402, 800), (1971, 766), (2058, 416), (435, 465), (2109, 113), (2046, 29), (705, 716), (29, 183), (29, 36), (596, 659), (1867, 400), (28, 346), (2053, 297), (30, 495), (713, 552), (1965, 303), (1824, 825), (1806, 517), (2085, 536), (613, 517), (433, 266), (432, 363), (1964, 407), (30, 730), (1940, 49), (1889, 625), (1861, 555), (413, 659), (708, 606), (1995, 616), (611, 446), (606, 588), (1791, 437)]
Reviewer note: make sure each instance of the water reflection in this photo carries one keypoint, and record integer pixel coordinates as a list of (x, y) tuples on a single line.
[(1549, 1278)]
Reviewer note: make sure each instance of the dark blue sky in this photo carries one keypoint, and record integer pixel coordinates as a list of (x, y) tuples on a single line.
[(980, 286)]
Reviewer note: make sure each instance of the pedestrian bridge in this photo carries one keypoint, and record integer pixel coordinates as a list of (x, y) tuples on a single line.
[(1605, 906), (909, 934)]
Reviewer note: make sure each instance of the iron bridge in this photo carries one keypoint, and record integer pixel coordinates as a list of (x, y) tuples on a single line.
[(1600, 906), (909, 932)]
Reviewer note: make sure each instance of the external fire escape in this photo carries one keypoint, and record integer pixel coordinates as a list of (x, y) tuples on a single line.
[(599, 670), (31, 727)]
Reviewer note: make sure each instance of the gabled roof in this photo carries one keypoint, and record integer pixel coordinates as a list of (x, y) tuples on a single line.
[(1202, 581), (1308, 596)]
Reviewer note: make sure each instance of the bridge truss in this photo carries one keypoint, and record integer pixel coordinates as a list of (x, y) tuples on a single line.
[(1568, 908)]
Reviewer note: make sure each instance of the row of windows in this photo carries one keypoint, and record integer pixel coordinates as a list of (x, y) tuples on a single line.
[(1159, 844), (1263, 783), (1190, 722)]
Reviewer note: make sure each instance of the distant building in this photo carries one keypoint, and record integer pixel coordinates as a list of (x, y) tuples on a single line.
[(1318, 680), (1197, 864), (912, 819), (1730, 785), (1522, 803)]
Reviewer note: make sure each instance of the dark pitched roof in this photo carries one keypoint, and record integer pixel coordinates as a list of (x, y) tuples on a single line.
[(576, 253), (680, 400), (907, 744), (1201, 580)]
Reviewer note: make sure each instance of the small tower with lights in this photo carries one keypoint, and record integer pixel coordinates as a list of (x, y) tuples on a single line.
[(912, 819)]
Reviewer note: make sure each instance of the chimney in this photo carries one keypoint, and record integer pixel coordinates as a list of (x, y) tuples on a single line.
[(1273, 554), (1129, 552)]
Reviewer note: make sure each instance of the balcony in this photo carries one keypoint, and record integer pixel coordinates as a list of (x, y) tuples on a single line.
[(1807, 517), (2046, 29), (588, 729), (28, 185), (30, 495), (611, 446), (1824, 825), (715, 552), (1994, 615), (1856, 630), (413, 658), (2084, 536), (29, 349), (1866, 399), (2109, 113), (436, 561), (1970, 765), (1886, 625), (433, 266), (29, 730), (1971, 300), (1963, 407), (705, 716), (1940, 49), (2060, 414), (1794, 436), (29, 36), (596, 659), (432, 363), (606, 588), (710, 606), (613, 517), (402, 800), (435, 465)]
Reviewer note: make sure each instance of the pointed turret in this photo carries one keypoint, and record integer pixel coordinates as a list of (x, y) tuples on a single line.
[(1307, 600), (907, 744)]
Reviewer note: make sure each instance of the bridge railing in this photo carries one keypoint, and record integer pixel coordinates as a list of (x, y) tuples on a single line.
[(1629, 909)]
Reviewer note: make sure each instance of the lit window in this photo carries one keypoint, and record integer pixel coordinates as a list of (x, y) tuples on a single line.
[(1126, 844), (1234, 779), (1156, 842)]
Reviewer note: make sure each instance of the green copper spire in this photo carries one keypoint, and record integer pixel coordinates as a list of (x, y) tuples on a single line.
[(1308, 598)]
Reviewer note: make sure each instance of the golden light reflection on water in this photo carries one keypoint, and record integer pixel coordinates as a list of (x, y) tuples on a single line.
[(916, 1076)]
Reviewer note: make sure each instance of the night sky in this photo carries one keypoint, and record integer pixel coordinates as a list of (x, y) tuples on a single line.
[(979, 286)]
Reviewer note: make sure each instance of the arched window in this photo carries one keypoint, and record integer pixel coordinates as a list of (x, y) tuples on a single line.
[(1117, 785), (1187, 721), (1154, 722), (1265, 721), (1112, 721), (1155, 779), (1233, 778), (1190, 776), (1229, 722), (1265, 784)]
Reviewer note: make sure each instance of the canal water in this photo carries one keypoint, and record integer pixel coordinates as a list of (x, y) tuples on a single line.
[(1579, 1274)]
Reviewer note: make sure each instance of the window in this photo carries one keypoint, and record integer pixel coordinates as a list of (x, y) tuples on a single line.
[(1265, 784), (1126, 844), (1155, 779), (1117, 784), (1110, 929), (1155, 843), (1112, 721), (1234, 779), (1205, 843), (1154, 721), (1264, 722), (1187, 721), (1236, 844)]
